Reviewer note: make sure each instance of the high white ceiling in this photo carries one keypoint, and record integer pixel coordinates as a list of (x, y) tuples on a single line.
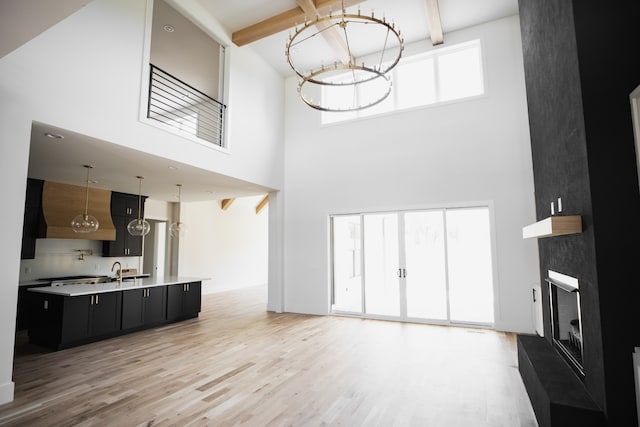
[(409, 15), (116, 167)]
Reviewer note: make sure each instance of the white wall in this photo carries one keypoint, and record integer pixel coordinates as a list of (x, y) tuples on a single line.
[(91, 85), (229, 247), (85, 74), (461, 152), (14, 156)]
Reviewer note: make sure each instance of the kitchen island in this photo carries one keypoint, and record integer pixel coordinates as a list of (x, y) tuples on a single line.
[(70, 315)]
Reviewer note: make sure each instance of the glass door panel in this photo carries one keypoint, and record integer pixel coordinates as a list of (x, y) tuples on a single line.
[(469, 265), (426, 281), (347, 271), (381, 281)]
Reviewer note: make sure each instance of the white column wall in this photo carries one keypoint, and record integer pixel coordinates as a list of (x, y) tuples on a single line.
[(14, 155), (461, 152)]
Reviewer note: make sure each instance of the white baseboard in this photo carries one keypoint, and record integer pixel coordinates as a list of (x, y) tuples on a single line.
[(6, 392)]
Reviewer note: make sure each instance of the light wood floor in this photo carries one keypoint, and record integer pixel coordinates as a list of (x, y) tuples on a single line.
[(238, 365)]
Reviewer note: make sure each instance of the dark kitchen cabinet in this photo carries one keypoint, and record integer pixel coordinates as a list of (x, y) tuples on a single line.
[(32, 218), (143, 307), (61, 322), (75, 318), (23, 308), (183, 300), (123, 204), (124, 209), (105, 314)]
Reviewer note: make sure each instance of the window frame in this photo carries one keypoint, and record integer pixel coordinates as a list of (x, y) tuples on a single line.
[(333, 118)]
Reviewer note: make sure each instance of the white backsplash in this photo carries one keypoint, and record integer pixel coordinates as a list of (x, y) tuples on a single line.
[(61, 257)]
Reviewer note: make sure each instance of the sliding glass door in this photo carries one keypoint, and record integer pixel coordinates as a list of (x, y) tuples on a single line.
[(469, 265), (381, 260), (426, 273), (432, 265), (347, 261)]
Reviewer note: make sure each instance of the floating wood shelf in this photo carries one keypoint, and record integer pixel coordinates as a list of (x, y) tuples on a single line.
[(553, 226)]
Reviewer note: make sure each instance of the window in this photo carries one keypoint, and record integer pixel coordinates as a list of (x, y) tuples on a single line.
[(442, 75)]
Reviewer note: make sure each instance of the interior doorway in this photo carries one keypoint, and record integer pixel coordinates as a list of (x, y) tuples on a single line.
[(432, 266), (155, 249)]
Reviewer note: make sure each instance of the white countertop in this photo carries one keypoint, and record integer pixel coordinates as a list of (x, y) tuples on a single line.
[(98, 288), (34, 283)]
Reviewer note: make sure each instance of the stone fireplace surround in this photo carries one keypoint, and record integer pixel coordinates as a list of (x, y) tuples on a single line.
[(558, 394), (578, 77)]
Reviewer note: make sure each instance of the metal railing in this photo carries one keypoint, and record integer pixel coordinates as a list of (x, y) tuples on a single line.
[(177, 104)]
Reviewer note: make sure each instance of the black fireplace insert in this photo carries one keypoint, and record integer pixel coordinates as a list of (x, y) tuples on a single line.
[(566, 319)]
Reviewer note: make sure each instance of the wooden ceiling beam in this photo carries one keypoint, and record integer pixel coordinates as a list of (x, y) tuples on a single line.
[(226, 203), (330, 34), (268, 27), (435, 23), (283, 21), (262, 204)]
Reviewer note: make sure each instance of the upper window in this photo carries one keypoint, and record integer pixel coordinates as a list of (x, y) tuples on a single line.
[(442, 75)]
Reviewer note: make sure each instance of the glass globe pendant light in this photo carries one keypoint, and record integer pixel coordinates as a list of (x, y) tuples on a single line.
[(178, 228), (140, 226), (85, 223)]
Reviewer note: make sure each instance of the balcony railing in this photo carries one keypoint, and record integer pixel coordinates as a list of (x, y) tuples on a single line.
[(177, 104)]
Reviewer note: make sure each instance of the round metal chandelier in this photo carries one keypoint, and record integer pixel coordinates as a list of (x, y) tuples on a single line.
[(337, 66)]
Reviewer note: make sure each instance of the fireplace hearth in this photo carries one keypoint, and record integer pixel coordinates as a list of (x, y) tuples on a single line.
[(566, 319)]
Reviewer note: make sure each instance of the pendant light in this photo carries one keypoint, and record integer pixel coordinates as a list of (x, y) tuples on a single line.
[(178, 228), (140, 226), (85, 223)]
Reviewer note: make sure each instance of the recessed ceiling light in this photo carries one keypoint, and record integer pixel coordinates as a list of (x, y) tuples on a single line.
[(168, 28), (173, 168), (53, 135)]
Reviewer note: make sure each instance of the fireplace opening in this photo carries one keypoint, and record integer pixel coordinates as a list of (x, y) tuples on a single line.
[(566, 321)]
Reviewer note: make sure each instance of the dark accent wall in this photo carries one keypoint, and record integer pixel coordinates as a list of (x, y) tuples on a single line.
[(581, 64)]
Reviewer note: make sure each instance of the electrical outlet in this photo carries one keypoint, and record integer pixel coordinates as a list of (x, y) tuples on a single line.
[(559, 204), (27, 270)]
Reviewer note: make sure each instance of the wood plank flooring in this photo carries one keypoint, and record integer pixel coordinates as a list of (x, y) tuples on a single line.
[(238, 365)]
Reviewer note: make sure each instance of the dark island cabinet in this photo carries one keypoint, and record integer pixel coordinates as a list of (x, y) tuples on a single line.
[(32, 218), (124, 209), (60, 322), (144, 307), (184, 300)]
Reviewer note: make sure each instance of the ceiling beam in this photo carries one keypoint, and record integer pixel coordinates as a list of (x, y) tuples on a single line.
[(330, 34), (435, 23), (262, 204), (226, 203), (283, 21)]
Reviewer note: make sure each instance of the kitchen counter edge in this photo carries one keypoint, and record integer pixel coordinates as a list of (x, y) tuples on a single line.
[(98, 288)]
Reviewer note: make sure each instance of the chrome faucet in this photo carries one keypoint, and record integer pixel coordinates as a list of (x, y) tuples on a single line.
[(119, 271)]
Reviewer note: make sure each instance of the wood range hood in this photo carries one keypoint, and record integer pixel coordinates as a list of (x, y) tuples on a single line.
[(62, 202)]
